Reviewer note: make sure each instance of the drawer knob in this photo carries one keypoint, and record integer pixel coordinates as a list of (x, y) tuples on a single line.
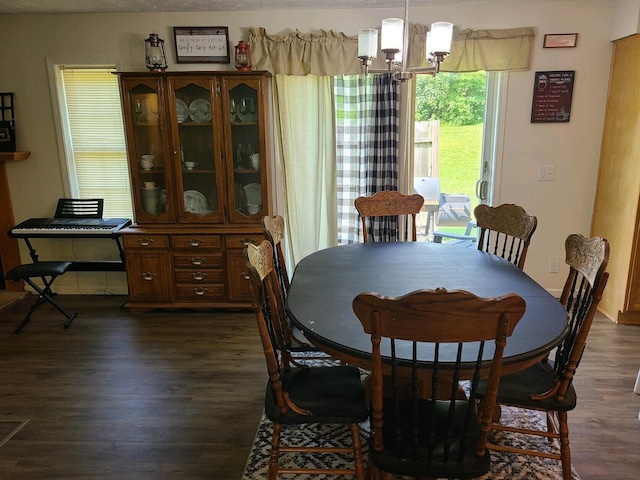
[(199, 276), (194, 242), (197, 261), (200, 291), (148, 276), (145, 242)]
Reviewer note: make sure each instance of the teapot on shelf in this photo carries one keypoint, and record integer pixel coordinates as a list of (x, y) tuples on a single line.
[(147, 162)]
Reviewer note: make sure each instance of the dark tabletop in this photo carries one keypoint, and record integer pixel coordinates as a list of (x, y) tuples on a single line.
[(325, 283)]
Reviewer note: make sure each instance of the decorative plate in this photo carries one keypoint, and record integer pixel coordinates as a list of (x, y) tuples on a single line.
[(195, 202), (200, 110), (182, 110)]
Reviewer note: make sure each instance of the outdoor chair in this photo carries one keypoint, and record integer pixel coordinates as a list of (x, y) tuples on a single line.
[(455, 211), (389, 216), (298, 395), (431, 430), (547, 386), (506, 231)]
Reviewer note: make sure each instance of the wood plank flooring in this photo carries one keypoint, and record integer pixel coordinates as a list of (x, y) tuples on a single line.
[(178, 395)]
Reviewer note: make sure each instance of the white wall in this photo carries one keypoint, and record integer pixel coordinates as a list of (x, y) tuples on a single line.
[(562, 207), (626, 19)]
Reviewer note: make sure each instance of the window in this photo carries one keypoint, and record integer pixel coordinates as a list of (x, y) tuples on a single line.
[(95, 157)]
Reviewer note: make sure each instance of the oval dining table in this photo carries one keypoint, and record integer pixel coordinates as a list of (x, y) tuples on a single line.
[(325, 283)]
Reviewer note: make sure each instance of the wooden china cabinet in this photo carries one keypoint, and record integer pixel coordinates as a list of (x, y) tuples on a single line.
[(199, 161)]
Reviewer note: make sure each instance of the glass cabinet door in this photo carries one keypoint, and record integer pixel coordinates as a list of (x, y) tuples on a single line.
[(245, 144), (195, 119), (150, 166)]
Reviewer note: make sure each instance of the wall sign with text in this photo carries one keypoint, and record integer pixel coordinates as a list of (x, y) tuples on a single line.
[(202, 44), (552, 94)]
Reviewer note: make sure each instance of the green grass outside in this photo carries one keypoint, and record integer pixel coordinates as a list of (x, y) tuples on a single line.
[(460, 154)]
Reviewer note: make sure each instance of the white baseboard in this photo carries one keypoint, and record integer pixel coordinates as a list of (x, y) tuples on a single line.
[(86, 289), (556, 292)]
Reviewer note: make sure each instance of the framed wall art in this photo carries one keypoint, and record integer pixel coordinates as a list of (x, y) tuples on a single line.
[(202, 44), (560, 40), (552, 95)]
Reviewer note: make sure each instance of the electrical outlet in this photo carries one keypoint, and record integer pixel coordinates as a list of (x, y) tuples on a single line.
[(554, 265), (546, 173)]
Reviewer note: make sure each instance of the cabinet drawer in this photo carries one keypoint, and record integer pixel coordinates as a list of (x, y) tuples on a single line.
[(200, 293), (236, 242), (200, 276), (149, 275), (196, 260), (197, 241), (146, 241)]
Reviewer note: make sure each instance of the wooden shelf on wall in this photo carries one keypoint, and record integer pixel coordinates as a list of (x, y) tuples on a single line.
[(7, 156)]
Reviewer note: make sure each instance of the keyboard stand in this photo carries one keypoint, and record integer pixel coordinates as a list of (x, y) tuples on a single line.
[(85, 265), (81, 265)]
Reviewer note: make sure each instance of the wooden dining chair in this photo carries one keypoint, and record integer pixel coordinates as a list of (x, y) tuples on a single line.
[(506, 231), (389, 216), (432, 432), (274, 231), (294, 339), (547, 386), (301, 394)]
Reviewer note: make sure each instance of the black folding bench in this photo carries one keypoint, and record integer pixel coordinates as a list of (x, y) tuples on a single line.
[(47, 271)]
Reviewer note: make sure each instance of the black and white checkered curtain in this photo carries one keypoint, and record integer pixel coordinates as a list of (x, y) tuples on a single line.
[(367, 112)]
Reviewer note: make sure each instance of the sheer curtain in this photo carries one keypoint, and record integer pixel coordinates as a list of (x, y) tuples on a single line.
[(304, 109)]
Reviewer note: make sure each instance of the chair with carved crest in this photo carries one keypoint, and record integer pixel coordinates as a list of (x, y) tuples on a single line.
[(294, 339), (389, 216), (547, 386), (429, 431), (301, 394), (506, 231)]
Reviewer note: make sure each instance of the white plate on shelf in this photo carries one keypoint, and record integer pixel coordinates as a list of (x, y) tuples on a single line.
[(181, 110), (254, 194), (200, 110), (196, 202)]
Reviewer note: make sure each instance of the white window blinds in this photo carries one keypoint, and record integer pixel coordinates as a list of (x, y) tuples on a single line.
[(95, 139)]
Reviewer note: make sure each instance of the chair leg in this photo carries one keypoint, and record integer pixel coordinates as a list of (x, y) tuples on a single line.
[(565, 451), (275, 451), (357, 450)]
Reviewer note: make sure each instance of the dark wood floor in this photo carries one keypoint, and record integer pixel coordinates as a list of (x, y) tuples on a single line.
[(178, 395)]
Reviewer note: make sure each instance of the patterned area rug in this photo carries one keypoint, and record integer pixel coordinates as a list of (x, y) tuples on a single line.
[(504, 466)]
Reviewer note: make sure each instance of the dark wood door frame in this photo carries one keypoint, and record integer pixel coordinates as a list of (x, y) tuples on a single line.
[(9, 251)]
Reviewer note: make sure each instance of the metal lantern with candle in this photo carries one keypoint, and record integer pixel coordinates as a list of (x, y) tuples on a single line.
[(155, 58), (243, 56)]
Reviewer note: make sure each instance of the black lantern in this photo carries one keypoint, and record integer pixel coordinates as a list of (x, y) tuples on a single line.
[(243, 56), (155, 58)]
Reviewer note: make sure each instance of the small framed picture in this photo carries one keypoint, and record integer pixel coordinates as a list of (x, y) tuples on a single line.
[(560, 40), (202, 44)]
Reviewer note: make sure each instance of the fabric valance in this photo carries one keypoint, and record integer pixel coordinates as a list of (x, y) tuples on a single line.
[(330, 53)]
